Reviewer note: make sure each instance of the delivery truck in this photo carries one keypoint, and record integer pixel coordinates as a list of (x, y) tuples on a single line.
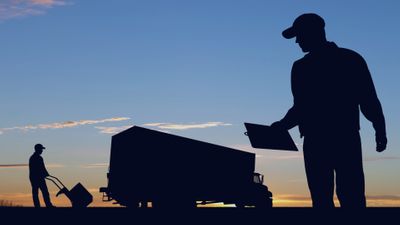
[(166, 170)]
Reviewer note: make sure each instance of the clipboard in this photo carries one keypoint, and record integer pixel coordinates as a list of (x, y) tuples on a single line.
[(266, 137)]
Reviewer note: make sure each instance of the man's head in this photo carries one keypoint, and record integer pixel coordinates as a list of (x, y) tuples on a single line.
[(309, 30), (39, 148)]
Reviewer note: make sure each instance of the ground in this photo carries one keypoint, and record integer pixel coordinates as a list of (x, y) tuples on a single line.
[(201, 216)]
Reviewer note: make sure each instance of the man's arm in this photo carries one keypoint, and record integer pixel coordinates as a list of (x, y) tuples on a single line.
[(371, 107), (288, 121), (44, 170), (291, 119)]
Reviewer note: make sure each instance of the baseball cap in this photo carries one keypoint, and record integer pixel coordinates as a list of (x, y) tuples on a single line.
[(39, 146), (309, 22)]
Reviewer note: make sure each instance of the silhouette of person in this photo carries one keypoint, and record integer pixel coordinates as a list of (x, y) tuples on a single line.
[(329, 86), (37, 175)]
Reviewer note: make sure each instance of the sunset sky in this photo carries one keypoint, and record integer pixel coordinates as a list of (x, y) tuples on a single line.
[(74, 72)]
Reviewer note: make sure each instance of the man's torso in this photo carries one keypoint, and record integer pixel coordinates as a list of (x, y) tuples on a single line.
[(325, 90)]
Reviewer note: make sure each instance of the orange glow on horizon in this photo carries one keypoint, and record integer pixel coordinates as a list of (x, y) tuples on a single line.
[(25, 200)]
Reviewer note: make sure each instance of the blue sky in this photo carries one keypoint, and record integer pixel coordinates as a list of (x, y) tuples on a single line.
[(212, 64)]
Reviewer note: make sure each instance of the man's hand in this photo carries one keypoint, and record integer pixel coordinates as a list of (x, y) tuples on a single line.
[(381, 142)]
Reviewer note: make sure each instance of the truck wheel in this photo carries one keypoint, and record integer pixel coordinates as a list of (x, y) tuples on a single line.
[(265, 203), (178, 203), (186, 204), (240, 205), (133, 204), (160, 204)]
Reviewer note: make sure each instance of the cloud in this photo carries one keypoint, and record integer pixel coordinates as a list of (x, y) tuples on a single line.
[(95, 165), (302, 200), (13, 165), (380, 158), (112, 130), (243, 147), (23, 165), (46, 2), (15, 195), (162, 127), (293, 197), (60, 125), (10, 9), (383, 197), (173, 126), (116, 130), (288, 156), (54, 166)]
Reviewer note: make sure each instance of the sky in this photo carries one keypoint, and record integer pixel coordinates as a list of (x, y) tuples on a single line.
[(74, 72)]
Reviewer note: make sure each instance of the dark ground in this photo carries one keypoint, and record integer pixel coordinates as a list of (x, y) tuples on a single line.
[(198, 216)]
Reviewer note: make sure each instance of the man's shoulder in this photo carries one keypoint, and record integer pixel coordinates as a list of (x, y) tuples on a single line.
[(302, 60), (339, 53), (35, 157), (345, 52)]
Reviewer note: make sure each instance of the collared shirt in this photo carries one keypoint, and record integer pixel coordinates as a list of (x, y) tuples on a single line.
[(37, 169), (329, 88)]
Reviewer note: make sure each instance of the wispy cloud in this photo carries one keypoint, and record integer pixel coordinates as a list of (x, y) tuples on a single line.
[(293, 197), (383, 197), (288, 156), (60, 125), (95, 165), (23, 165), (112, 130), (116, 130), (176, 126), (21, 8), (302, 200), (13, 165), (243, 147), (380, 158), (46, 2), (163, 127)]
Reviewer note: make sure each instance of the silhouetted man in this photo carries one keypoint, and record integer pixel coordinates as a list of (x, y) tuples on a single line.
[(37, 175), (329, 86)]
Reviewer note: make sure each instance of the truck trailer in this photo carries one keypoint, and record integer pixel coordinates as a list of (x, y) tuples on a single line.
[(169, 170)]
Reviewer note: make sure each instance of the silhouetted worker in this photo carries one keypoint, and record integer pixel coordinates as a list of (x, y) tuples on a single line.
[(329, 86), (37, 175)]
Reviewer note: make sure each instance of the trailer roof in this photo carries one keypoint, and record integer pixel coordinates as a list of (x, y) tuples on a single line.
[(142, 129)]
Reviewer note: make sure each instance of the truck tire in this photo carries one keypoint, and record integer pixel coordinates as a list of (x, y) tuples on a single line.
[(187, 204), (265, 203), (240, 205), (176, 203), (132, 204)]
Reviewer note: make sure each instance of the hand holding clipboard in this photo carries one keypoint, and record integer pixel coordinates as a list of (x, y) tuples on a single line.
[(266, 137)]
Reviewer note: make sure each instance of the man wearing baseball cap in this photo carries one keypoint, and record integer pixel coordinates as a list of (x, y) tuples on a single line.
[(37, 175), (330, 85)]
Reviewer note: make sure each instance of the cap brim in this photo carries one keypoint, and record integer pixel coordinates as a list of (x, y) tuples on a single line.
[(289, 33)]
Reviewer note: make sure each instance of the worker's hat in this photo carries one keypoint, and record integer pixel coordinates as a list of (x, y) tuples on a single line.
[(39, 147), (306, 23)]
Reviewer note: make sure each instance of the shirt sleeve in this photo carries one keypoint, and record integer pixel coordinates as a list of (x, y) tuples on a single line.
[(291, 120), (43, 168), (370, 105)]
